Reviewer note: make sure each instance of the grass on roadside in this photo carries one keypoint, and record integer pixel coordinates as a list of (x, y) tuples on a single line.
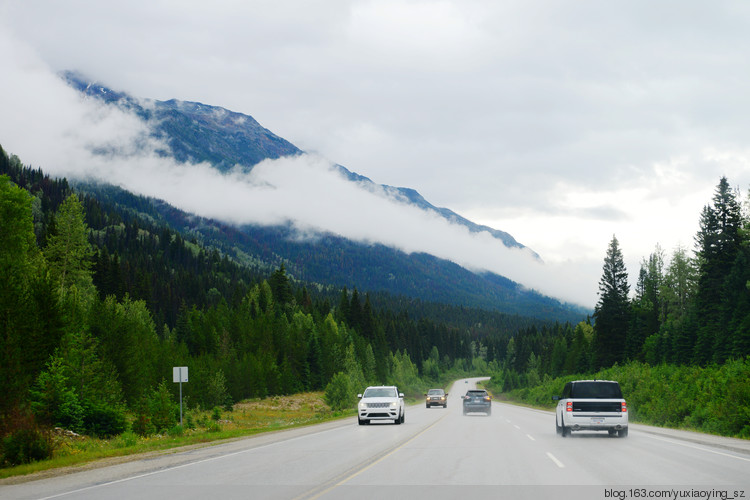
[(247, 418)]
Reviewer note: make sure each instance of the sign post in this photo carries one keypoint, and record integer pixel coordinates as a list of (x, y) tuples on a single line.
[(180, 374)]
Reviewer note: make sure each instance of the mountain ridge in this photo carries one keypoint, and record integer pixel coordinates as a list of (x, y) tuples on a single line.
[(188, 129), (234, 138)]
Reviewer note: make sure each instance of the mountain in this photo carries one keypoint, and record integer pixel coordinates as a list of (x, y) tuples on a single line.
[(201, 133), (196, 132)]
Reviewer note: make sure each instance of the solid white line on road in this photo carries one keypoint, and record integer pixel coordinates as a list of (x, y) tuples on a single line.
[(530, 437), (181, 466), (701, 448), (557, 462)]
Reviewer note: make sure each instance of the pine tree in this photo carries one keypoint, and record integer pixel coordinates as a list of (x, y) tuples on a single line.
[(717, 245), (647, 308), (281, 289), (68, 252), (611, 313), (24, 343)]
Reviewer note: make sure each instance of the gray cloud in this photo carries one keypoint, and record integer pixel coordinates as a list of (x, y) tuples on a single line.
[(560, 123)]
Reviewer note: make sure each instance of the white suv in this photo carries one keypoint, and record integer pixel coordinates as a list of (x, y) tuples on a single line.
[(591, 405), (382, 402)]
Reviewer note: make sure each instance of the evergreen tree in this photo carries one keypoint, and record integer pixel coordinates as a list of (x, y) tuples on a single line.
[(68, 252), (611, 313), (647, 309), (30, 318), (283, 296), (717, 245)]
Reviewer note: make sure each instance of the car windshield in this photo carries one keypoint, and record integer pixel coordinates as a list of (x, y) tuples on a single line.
[(435, 392), (596, 390), (381, 392)]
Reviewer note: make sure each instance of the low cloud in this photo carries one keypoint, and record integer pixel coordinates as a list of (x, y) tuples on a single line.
[(51, 126)]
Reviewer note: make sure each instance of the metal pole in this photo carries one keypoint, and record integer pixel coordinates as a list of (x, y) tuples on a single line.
[(180, 396)]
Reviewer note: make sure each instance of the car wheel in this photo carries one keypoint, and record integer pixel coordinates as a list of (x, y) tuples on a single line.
[(611, 432), (558, 429), (361, 422), (564, 432), (427, 406), (445, 405), (399, 420), (623, 432)]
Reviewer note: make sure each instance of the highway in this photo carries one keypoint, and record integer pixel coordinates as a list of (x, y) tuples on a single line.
[(437, 453)]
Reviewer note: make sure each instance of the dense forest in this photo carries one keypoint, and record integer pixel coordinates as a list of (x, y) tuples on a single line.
[(685, 330), (99, 303), (687, 310)]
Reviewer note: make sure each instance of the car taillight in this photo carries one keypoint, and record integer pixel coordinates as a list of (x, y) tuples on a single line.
[(569, 406), (624, 407), (486, 398)]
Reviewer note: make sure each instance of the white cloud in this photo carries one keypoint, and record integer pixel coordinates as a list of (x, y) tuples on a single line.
[(560, 123), (81, 138)]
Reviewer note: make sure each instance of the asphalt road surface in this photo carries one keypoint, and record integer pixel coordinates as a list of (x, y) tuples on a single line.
[(437, 453)]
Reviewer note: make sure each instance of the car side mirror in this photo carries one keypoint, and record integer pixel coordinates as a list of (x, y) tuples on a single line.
[(446, 394), (359, 396), (556, 398), (401, 394)]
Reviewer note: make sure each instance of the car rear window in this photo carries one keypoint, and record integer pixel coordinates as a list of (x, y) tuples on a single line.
[(477, 393), (596, 390)]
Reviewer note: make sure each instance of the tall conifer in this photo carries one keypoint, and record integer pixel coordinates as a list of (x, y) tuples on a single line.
[(612, 311)]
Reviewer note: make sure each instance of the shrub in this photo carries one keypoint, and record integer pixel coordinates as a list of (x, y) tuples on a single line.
[(55, 403), (712, 399), (142, 425), (189, 421), (162, 408), (228, 403), (175, 431), (216, 390), (26, 445), (339, 394), (104, 421), (126, 440)]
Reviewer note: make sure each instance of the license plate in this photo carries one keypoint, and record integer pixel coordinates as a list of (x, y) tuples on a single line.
[(597, 420)]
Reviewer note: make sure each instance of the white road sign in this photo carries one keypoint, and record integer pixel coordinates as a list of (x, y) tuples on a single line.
[(180, 374)]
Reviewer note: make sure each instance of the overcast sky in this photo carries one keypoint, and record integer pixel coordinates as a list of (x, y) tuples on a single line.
[(560, 122)]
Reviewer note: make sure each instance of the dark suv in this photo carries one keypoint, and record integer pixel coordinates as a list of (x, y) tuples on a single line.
[(477, 400), (595, 405)]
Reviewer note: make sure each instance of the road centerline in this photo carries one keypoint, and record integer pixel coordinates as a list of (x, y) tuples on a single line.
[(351, 474)]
